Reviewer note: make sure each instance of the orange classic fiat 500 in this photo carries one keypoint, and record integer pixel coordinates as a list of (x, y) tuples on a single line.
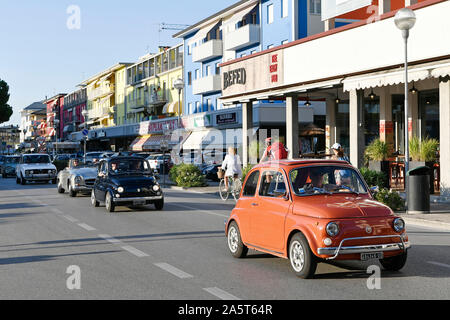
[(314, 210)]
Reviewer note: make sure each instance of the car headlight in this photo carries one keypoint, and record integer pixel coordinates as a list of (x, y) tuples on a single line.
[(156, 187), (78, 179), (120, 189), (332, 229), (398, 224)]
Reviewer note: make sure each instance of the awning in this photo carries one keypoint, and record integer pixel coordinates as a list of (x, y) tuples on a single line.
[(397, 76), (165, 109), (239, 15), (136, 145), (202, 33), (171, 107)]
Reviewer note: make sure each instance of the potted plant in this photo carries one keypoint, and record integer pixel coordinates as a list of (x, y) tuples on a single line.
[(377, 153), (424, 153)]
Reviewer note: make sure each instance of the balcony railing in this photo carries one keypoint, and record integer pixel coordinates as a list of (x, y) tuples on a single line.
[(243, 37), (207, 84), (101, 92), (208, 50)]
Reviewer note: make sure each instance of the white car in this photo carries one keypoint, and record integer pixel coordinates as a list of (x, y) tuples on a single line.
[(35, 167)]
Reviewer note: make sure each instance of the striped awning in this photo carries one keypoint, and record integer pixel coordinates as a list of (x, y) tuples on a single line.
[(136, 145)]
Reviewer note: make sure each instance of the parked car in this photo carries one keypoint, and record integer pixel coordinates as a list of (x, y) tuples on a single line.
[(77, 177), (310, 211), (95, 155), (158, 161), (127, 181), (62, 157), (9, 166), (2, 160), (210, 171), (35, 167)]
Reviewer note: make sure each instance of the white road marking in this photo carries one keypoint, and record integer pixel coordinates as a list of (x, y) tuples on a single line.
[(175, 271), (439, 264), (86, 226), (110, 239), (56, 210), (221, 294), (70, 218), (198, 210), (136, 252)]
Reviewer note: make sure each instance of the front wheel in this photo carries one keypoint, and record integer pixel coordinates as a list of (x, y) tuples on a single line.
[(159, 204), (94, 201), (223, 190), (237, 248), (394, 263), (109, 204), (303, 261), (22, 181), (72, 193), (236, 189), (60, 188)]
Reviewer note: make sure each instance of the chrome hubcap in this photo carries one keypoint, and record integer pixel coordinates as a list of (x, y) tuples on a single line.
[(297, 255), (233, 239)]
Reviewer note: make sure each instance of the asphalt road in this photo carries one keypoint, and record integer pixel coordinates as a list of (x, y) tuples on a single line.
[(56, 247)]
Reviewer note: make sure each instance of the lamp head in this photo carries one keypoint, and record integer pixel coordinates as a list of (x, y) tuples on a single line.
[(405, 19)]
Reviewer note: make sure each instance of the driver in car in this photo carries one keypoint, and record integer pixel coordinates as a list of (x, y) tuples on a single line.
[(114, 168)]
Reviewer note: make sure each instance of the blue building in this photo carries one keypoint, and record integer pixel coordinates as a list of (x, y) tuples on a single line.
[(245, 28)]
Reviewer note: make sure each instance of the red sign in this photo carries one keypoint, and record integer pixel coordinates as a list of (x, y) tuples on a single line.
[(274, 68)]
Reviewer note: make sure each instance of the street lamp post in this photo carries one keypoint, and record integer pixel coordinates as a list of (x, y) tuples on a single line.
[(85, 115), (405, 20), (179, 85), (55, 126)]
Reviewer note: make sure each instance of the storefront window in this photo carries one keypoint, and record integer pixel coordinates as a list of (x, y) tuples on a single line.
[(429, 114), (398, 120), (342, 133), (371, 120)]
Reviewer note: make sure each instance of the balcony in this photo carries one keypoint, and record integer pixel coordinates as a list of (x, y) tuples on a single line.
[(243, 37), (101, 92), (207, 51), (207, 84)]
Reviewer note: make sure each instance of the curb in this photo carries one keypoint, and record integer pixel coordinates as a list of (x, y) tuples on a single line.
[(426, 223)]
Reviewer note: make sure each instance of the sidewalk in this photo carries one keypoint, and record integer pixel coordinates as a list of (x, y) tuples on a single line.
[(439, 216)]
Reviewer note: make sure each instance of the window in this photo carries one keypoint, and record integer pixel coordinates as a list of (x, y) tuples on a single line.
[(208, 71), (315, 7), (197, 107), (272, 184), (197, 74), (270, 46), (190, 108), (217, 68), (251, 184), (208, 105), (284, 8), (284, 42), (189, 78), (269, 13)]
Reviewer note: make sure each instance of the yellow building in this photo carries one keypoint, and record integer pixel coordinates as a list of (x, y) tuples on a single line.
[(150, 92), (103, 91)]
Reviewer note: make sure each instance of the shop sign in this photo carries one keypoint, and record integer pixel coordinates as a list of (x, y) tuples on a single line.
[(237, 76), (226, 118), (149, 127)]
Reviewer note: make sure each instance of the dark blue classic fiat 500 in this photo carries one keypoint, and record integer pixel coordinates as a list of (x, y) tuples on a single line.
[(126, 181)]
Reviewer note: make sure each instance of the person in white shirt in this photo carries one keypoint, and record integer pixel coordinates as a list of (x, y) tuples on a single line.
[(232, 165)]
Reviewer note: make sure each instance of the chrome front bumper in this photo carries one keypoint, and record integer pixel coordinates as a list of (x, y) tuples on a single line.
[(137, 199), (335, 251), (39, 177)]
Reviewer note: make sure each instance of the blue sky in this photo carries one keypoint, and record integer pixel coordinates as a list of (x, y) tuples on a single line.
[(40, 56)]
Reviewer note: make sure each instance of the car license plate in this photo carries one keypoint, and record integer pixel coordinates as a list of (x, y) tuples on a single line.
[(138, 202), (371, 256)]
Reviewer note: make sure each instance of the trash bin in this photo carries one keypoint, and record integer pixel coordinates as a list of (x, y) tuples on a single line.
[(419, 190)]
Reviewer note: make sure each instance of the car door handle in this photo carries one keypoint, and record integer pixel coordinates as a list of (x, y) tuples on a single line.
[(254, 204)]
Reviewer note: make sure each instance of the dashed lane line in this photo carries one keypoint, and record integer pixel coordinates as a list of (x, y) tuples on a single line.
[(221, 294), (138, 253), (86, 226), (173, 270)]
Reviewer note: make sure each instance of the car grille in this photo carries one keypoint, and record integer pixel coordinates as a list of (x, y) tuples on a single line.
[(39, 171), (89, 182)]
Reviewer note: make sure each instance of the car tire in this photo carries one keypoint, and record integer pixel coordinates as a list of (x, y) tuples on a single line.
[(60, 188), (394, 263), (237, 248), (109, 204), (22, 180), (17, 180), (159, 204), (303, 261), (72, 193), (94, 201)]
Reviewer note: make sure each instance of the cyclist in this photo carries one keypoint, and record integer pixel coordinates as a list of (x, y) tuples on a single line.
[(232, 166)]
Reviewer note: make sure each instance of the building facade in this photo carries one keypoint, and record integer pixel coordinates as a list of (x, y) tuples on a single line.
[(72, 117)]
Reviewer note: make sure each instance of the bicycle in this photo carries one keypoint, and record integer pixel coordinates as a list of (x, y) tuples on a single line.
[(235, 186)]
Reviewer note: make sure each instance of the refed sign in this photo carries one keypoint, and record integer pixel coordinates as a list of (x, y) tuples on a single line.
[(237, 76)]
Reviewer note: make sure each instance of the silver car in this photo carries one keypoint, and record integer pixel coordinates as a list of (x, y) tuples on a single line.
[(77, 178)]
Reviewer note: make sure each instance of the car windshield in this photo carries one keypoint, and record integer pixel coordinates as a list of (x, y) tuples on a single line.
[(41, 158), (94, 154), (307, 181), (125, 166), (12, 160)]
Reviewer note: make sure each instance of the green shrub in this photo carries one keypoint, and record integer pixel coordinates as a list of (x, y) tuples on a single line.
[(423, 150), (187, 175), (390, 198), (375, 178), (377, 150)]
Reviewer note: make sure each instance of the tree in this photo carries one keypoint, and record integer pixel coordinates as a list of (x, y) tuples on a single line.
[(5, 109)]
